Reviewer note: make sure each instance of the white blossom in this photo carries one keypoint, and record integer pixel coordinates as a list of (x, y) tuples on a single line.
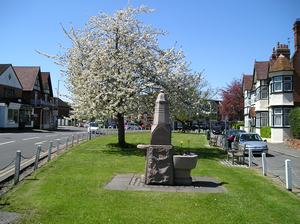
[(115, 66)]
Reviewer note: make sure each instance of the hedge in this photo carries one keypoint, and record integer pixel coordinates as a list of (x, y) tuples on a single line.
[(265, 132), (294, 120)]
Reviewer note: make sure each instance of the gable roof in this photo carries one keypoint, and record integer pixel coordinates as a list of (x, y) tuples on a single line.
[(261, 68), (247, 82), (3, 67), (27, 76), (46, 78)]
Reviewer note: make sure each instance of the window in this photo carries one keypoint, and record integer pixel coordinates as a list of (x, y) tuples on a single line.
[(13, 116), (46, 88), (257, 94), (277, 84), (262, 93), (287, 83), (286, 112), (280, 116), (282, 84), (37, 84), (277, 116), (262, 119), (257, 123)]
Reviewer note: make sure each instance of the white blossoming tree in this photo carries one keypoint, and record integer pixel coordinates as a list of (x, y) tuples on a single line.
[(115, 66)]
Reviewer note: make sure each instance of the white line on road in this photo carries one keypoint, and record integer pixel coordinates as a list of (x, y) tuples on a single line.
[(4, 143), (57, 139), (29, 138), (49, 135), (40, 143)]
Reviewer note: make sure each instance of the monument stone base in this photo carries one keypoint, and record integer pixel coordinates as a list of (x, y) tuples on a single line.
[(159, 164)]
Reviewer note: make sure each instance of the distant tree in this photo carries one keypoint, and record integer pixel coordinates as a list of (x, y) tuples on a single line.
[(116, 67), (232, 105)]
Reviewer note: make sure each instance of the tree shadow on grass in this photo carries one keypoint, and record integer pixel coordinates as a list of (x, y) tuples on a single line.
[(132, 150), (202, 152), (128, 150)]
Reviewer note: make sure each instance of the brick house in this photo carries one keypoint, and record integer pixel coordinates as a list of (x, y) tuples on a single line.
[(274, 91), (10, 97), (38, 96)]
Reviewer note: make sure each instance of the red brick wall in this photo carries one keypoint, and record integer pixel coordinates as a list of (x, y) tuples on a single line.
[(296, 64)]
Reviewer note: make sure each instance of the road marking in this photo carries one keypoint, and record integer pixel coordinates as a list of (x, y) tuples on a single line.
[(40, 143), (49, 135), (29, 138), (57, 139), (4, 143)]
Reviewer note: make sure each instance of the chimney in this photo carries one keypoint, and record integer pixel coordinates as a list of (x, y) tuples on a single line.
[(297, 34), (281, 49)]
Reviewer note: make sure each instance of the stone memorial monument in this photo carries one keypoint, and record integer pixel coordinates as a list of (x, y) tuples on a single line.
[(159, 155)]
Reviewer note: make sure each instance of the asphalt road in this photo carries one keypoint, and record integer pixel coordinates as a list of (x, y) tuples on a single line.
[(27, 141), (278, 153)]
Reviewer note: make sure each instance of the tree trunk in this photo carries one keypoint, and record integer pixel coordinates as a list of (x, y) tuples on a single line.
[(121, 130)]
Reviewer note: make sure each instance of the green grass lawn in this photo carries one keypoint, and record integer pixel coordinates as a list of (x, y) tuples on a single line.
[(70, 189)]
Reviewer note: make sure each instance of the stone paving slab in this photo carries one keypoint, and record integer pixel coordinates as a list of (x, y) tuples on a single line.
[(8, 217), (228, 163), (133, 182)]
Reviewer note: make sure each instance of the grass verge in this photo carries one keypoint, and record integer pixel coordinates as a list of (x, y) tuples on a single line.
[(70, 189)]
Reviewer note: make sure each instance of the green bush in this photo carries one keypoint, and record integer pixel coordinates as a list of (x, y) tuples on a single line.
[(294, 120), (237, 125), (265, 132)]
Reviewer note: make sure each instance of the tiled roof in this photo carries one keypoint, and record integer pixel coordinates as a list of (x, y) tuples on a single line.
[(3, 67), (261, 68), (247, 82), (27, 76), (281, 64)]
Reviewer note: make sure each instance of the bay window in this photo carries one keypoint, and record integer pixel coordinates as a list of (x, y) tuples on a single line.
[(262, 93), (281, 84), (262, 119), (280, 116)]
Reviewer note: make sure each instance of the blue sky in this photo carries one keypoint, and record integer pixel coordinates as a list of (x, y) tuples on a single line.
[(221, 37)]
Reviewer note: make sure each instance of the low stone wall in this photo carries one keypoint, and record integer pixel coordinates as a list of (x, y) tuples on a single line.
[(294, 143)]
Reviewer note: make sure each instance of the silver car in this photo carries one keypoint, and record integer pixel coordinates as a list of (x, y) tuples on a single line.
[(250, 141)]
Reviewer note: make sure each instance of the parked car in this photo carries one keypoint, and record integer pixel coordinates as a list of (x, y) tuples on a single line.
[(250, 141), (230, 135), (132, 127), (217, 130), (93, 127)]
